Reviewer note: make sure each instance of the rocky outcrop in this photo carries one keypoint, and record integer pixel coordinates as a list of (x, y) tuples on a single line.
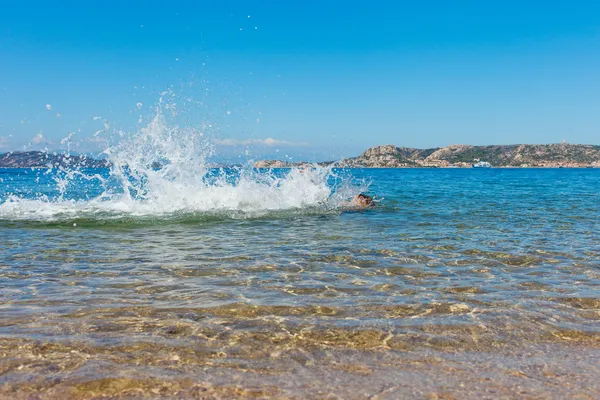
[(387, 156), (460, 155), (38, 159), (449, 152), (544, 155)]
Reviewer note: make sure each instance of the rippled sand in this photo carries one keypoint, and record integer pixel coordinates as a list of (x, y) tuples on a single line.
[(328, 366)]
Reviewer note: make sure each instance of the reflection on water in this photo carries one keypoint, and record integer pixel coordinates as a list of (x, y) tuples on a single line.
[(487, 278)]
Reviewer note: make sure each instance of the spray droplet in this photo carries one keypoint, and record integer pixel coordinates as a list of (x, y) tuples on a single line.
[(48, 107)]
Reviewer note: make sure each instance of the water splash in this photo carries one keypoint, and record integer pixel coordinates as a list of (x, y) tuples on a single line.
[(161, 171)]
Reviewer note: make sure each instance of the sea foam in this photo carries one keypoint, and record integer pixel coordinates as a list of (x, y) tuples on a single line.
[(162, 171)]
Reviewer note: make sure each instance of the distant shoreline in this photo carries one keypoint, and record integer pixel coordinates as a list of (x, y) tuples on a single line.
[(42, 160), (560, 155), (549, 156), (308, 165), (318, 164)]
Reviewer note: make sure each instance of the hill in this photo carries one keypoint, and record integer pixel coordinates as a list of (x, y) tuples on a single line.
[(38, 159), (459, 155)]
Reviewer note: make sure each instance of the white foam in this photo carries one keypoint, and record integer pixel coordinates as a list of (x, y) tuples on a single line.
[(161, 171)]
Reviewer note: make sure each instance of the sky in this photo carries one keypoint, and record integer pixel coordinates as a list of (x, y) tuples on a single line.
[(314, 80)]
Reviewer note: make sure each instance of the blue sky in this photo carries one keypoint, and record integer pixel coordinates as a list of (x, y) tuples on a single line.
[(306, 79)]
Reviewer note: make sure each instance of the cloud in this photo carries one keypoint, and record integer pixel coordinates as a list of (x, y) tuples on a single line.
[(38, 139), (4, 142), (269, 142)]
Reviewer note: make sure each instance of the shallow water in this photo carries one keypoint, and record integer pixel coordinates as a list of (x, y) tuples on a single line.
[(460, 283)]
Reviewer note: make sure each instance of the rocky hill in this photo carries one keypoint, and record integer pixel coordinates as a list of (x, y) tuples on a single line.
[(38, 159), (460, 155), (389, 156)]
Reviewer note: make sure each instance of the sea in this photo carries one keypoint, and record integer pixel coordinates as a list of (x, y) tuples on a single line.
[(162, 277)]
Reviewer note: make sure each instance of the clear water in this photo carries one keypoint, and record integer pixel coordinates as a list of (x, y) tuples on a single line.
[(466, 283)]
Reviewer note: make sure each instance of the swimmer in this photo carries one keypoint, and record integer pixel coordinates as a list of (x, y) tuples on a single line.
[(362, 201)]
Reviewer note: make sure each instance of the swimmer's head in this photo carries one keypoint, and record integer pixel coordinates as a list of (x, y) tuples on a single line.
[(364, 201)]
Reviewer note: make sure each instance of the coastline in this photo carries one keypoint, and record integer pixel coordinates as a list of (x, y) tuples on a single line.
[(562, 155), (311, 165)]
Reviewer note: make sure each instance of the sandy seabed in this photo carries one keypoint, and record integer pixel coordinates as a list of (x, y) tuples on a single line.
[(45, 370)]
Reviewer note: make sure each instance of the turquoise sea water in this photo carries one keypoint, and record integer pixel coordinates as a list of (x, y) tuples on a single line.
[(457, 275)]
